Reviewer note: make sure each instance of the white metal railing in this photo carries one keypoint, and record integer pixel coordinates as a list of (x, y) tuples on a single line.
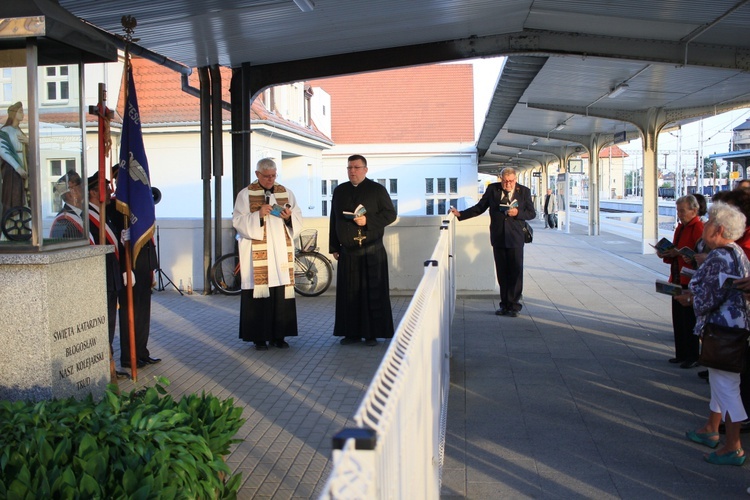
[(396, 449)]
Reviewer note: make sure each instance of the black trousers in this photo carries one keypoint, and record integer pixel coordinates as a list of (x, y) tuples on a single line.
[(509, 268), (141, 308), (686, 344)]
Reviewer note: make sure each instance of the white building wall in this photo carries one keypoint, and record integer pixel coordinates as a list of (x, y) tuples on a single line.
[(411, 165)]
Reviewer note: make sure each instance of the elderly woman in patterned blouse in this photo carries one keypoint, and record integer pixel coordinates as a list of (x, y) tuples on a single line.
[(725, 307)]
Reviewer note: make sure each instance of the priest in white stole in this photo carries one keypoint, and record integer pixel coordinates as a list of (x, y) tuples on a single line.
[(267, 219)]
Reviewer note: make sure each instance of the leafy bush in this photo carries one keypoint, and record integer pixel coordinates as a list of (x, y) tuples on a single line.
[(139, 445)]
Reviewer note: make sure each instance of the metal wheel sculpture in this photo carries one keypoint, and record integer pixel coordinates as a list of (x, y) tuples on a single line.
[(16, 224)]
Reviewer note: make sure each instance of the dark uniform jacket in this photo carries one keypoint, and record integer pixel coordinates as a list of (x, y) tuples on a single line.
[(505, 231)]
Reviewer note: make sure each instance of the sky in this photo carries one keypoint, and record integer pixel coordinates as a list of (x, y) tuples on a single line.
[(708, 136)]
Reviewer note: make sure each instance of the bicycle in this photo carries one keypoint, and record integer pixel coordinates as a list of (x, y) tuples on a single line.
[(313, 271)]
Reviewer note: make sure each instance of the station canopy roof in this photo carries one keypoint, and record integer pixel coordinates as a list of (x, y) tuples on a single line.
[(574, 68)]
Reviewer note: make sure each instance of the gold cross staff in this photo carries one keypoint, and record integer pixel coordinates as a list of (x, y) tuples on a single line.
[(359, 237)]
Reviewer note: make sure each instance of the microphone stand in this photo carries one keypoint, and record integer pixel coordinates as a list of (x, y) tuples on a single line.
[(159, 270)]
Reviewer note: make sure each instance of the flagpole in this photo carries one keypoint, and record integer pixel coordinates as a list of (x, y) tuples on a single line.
[(129, 23)]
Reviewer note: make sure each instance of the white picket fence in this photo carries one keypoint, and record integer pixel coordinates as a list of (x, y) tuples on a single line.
[(396, 449)]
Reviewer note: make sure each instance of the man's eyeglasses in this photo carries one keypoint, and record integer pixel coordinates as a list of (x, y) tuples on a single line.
[(268, 176), (354, 168)]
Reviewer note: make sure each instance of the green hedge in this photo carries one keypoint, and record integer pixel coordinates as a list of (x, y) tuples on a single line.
[(140, 445)]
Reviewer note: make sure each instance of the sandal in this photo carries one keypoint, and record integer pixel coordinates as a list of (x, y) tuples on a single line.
[(731, 458), (704, 438)]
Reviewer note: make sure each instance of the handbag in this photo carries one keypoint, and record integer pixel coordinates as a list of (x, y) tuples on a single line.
[(528, 232), (724, 347)]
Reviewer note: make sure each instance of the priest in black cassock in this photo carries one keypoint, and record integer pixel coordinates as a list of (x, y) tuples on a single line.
[(363, 303)]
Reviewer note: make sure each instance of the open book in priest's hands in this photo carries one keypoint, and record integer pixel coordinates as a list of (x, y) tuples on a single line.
[(359, 211), (276, 210)]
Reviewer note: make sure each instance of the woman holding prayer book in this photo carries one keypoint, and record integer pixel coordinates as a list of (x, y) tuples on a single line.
[(725, 307), (686, 235)]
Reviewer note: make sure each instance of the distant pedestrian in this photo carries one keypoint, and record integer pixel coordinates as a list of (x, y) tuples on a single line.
[(743, 184), (550, 210)]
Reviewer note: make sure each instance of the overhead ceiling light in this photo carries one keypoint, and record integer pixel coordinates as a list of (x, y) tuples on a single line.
[(305, 5), (618, 90), (560, 126)]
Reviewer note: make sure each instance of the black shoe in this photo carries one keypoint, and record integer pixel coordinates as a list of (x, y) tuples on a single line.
[(371, 342), (139, 364), (676, 360), (703, 374), (150, 360), (690, 363), (350, 341), (261, 346), (501, 311), (280, 344), (513, 313), (122, 375)]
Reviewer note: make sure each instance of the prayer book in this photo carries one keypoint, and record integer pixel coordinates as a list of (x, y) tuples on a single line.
[(359, 211), (686, 271), (688, 253), (504, 207), (668, 288), (663, 245), (276, 210)]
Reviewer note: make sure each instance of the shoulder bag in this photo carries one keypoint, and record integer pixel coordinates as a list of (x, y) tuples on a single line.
[(724, 347), (528, 232)]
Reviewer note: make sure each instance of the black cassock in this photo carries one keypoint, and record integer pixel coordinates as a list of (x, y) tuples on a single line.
[(363, 303)]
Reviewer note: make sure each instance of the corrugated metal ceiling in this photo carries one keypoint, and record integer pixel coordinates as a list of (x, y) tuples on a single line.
[(673, 54)]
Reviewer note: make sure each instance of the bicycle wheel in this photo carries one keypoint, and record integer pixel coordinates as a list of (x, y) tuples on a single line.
[(313, 273), (225, 274)]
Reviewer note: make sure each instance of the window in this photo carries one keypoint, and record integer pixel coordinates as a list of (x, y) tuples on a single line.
[(57, 83), (58, 167), (393, 186), (395, 205), (6, 85), (381, 182), (436, 204), (326, 191)]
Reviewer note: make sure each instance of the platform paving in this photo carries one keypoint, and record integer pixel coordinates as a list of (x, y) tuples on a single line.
[(572, 399)]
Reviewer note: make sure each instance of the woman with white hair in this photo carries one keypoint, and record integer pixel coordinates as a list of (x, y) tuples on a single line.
[(725, 307)]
